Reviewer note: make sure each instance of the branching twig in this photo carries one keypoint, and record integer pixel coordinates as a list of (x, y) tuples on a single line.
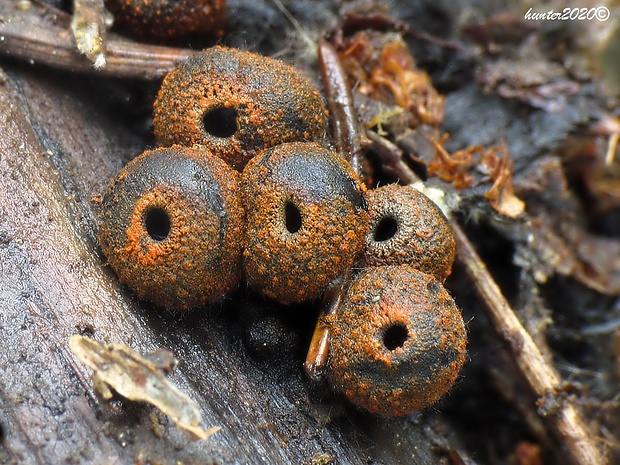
[(392, 159)]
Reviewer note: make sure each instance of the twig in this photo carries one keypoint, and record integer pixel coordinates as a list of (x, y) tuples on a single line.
[(354, 22), (318, 351), (346, 134), (392, 158), (611, 148), (31, 35), (348, 142), (542, 378)]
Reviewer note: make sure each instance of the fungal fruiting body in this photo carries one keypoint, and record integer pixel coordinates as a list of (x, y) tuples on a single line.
[(169, 19), (306, 220), (172, 227), (407, 227), (236, 104), (398, 342)]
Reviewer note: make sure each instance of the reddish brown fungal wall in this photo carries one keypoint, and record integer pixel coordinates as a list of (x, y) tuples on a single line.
[(306, 220), (407, 227), (236, 104), (172, 227), (398, 343), (169, 19)]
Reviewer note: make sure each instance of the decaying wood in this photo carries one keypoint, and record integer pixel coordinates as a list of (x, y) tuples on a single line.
[(41, 34), (59, 145)]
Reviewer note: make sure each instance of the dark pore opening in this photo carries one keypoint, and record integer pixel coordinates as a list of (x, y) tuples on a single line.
[(292, 217), (386, 228), (157, 223), (395, 336), (220, 122)]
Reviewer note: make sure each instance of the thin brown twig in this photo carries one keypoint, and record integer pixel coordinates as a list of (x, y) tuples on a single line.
[(346, 134), (34, 36), (347, 140), (542, 378), (318, 351), (392, 158)]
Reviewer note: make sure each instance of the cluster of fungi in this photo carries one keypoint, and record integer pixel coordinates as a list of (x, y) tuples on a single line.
[(244, 186)]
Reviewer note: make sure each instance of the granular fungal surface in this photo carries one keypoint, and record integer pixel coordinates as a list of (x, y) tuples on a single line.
[(398, 343), (172, 227), (407, 227), (236, 104), (307, 219)]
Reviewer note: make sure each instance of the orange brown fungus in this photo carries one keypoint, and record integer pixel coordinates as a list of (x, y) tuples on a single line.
[(306, 220), (236, 104), (172, 227), (407, 227), (169, 19), (398, 342)]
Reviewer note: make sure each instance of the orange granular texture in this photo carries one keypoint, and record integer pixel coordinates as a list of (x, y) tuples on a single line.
[(293, 266), (423, 236), (272, 103), (416, 371), (169, 19), (199, 258)]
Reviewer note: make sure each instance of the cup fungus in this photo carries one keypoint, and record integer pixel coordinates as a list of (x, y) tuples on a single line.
[(398, 342), (306, 220), (407, 227), (236, 104), (172, 227)]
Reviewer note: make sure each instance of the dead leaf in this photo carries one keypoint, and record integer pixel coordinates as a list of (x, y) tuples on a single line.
[(138, 379), (501, 195)]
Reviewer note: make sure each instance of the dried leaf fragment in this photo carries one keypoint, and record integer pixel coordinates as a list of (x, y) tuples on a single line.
[(501, 195), (138, 379), (385, 70), (453, 168)]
